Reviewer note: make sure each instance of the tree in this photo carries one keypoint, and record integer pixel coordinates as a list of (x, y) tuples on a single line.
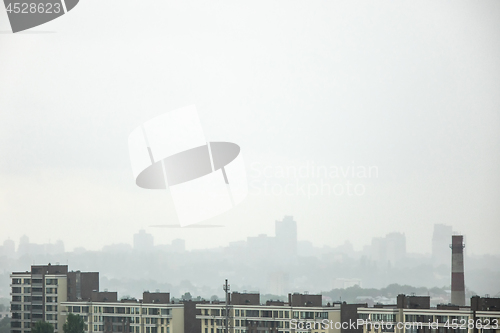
[(5, 325), (42, 327), (187, 296), (74, 324)]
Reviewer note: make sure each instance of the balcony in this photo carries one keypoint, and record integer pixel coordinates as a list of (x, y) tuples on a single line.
[(36, 310)]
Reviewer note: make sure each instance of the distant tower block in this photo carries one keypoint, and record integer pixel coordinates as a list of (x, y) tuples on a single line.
[(457, 270)]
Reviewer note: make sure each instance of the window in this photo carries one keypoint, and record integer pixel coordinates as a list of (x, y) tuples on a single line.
[(322, 315), (51, 282), (16, 281), (27, 290), (16, 307), (252, 313), (410, 318), (51, 308)]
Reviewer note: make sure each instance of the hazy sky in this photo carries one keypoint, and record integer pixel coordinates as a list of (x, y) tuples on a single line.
[(409, 88)]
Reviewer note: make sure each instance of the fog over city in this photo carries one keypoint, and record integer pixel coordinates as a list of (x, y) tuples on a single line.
[(274, 265), (407, 90), (369, 131)]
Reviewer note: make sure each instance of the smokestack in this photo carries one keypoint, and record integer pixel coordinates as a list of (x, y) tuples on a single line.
[(457, 270)]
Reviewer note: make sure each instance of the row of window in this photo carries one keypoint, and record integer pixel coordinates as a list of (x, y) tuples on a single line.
[(131, 329), (51, 316), (245, 323), (267, 314), (49, 282), (29, 290), (122, 310), (237, 330), (386, 317), (132, 320), (378, 317)]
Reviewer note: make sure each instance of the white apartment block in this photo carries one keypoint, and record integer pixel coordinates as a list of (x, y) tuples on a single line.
[(104, 313)]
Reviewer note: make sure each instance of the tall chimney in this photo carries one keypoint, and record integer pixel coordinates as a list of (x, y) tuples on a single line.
[(457, 270)]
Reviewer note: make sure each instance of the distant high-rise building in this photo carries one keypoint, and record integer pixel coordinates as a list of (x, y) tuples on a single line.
[(178, 245), (143, 242), (37, 294), (24, 245), (440, 244), (388, 250), (56, 248), (378, 251), (286, 235), (396, 247), (9, 248), (279, 283)]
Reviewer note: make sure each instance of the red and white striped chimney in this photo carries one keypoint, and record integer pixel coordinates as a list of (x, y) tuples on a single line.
[(457, 270)]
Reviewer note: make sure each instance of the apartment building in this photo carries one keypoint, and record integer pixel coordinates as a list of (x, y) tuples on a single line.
[(302, 313), (413, 314), (38, 293), (154, 313)]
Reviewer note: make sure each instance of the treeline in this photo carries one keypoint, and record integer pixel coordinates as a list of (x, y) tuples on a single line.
[(352, 294), (5, 325)]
